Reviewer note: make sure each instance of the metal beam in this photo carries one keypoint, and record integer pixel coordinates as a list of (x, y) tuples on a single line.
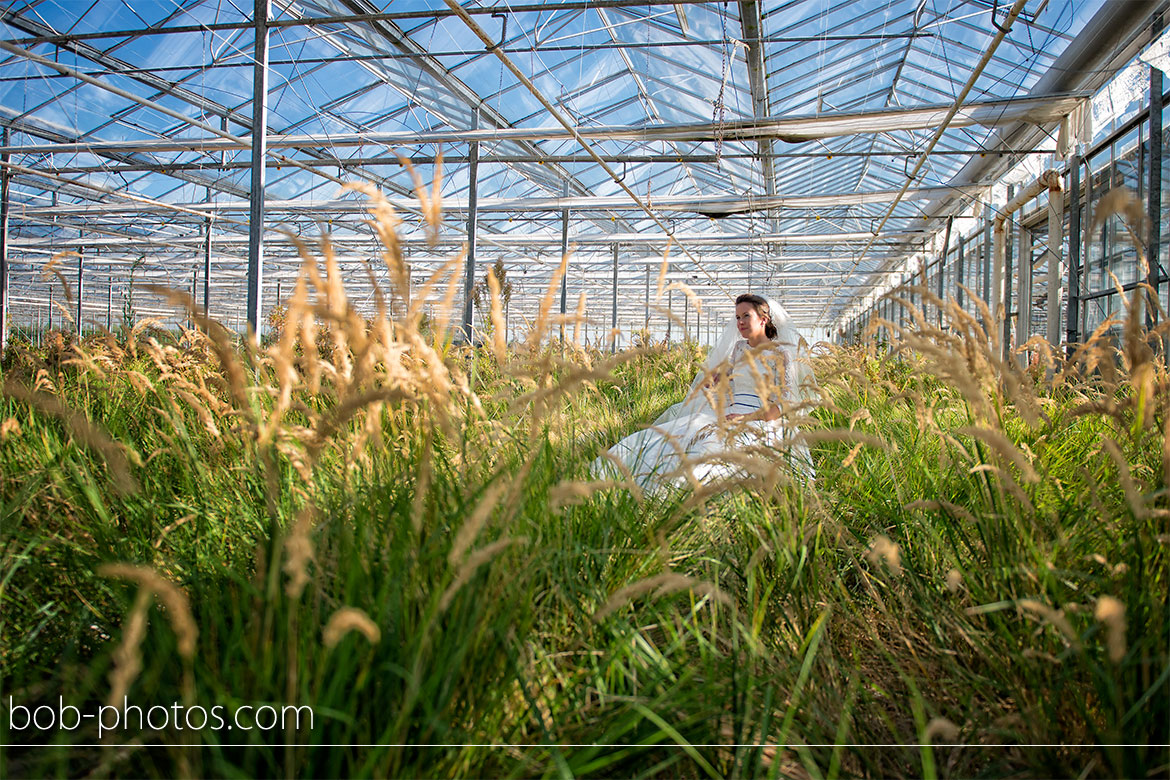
[(359, 161), (797, 129), (707, 205), (547, 241), (358, 18)]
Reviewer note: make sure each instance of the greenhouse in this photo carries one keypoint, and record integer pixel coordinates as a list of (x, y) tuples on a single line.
[(386, 363)]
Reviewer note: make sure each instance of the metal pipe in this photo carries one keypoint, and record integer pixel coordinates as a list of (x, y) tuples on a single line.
[(256, 194)]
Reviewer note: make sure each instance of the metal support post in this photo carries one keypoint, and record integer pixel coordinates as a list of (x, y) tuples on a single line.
[(1154, 250), (80, 287), (207, 269), (1072, 318), (4, 177), (669, 315), (564, 254), (960, 269), (472, 229), (985, 261), (613, 313), (50, 308), (1024, 307), (1055, 252), (1007, 255), (646, 327), (942, 264), (109, 298), (259, 143)]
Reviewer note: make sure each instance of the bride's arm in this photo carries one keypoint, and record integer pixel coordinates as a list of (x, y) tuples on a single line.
[(771, 412)]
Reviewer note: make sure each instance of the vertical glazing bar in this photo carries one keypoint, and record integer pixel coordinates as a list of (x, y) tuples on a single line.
[(985, 262), (1154, 251), (613, 314), (194, 296), (207, 268), (564, 254), (472, 228), (1072, 317), (942, 263), (669, 313), (647, 325), (1024, 307), (960, 268), (1007, 277), (259, 152), (80, 286), (1086, 250), (4, 246), (1055, 251)]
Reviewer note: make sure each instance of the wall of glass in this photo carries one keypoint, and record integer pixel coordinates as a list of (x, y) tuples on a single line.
[(1108, 262)]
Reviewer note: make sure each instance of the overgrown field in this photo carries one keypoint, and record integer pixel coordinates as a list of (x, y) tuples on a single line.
[(403, 536)]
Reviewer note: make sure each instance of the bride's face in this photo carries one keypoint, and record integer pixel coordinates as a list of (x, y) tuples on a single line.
[(750, 323)]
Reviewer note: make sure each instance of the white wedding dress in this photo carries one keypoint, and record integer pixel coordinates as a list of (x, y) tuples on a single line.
[(692, 442)]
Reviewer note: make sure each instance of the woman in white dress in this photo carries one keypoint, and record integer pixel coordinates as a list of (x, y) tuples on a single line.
[(736, 403)]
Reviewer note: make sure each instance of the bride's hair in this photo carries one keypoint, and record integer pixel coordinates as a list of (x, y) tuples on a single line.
[(761, 306)]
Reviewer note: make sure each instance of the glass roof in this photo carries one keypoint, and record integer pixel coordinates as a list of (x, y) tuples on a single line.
[(771, 138)]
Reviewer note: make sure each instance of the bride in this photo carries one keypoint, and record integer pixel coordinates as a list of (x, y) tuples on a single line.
[(737, 403)]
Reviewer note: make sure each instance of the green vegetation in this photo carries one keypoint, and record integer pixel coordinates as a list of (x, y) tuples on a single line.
[(403, 536)]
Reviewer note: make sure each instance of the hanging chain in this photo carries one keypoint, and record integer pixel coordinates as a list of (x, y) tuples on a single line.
[(719, 112)]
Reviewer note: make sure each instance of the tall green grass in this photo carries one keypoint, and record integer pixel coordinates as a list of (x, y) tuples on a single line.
[(403, 534)]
